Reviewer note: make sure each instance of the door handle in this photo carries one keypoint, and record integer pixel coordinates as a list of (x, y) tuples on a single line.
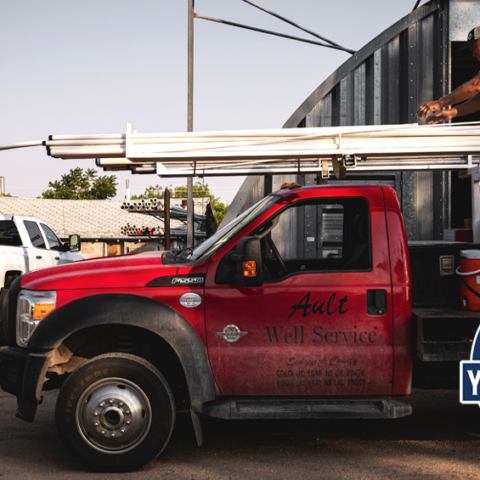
[(39, 257), (376, 302)]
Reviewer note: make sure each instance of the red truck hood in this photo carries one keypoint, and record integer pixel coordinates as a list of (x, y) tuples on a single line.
[(127, 271)]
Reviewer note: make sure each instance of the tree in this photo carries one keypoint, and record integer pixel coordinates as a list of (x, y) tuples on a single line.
[(200, 190), (219, 210), (80, 185), (150, 192)]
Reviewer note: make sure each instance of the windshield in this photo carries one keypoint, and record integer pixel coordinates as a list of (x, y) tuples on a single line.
[(227, 232)]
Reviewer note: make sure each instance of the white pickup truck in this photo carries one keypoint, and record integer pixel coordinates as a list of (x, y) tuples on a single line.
[(29, 244)]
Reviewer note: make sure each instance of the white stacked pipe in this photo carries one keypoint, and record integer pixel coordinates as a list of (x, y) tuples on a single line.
[(142, 230), (243, 152), (326, 142), (151, 205)]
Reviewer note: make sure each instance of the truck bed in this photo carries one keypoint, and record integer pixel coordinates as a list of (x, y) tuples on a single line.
[(442, 331)]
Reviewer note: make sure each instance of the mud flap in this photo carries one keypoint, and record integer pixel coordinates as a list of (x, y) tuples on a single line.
[(197, 427)]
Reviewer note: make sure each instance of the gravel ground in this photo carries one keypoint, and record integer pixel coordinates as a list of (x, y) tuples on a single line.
[(440, 441)]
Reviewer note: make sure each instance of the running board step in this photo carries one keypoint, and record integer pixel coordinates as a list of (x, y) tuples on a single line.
[(246, 409)]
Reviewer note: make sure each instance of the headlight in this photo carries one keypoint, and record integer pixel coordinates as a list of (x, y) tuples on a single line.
[(32, 307)]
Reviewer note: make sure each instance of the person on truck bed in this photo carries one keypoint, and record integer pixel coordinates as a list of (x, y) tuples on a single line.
[(468, 91)]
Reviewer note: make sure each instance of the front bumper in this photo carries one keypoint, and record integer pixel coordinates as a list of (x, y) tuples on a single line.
[(22, 373)]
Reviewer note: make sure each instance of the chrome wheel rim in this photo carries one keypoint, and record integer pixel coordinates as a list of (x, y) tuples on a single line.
[(113, 415)]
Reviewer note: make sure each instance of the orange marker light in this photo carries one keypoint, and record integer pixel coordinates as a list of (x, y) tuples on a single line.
[(290, 185), (249, 269), (40, 310)]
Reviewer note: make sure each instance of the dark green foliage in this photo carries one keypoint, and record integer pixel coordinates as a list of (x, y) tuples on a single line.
[(80, 185), (199, 190), (219, 210), (150, 192)]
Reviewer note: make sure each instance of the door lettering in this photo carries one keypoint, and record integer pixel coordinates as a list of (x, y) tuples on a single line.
[(327, 306), (289, 337), (298, 334)]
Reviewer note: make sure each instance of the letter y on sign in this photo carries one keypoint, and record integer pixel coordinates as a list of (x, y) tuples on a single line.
[(470, 374)]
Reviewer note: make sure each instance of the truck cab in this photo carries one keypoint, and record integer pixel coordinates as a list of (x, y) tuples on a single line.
[(28, 244), (299, 308)]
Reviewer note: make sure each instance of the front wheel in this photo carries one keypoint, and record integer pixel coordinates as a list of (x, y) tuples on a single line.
[(115, 413)]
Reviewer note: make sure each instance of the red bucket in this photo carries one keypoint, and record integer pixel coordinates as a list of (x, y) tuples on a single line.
[(469, 272)]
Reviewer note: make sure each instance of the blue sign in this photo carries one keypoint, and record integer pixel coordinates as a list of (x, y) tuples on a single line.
[(470, 374)]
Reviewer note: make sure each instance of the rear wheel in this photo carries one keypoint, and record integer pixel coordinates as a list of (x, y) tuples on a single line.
[(115, 413)]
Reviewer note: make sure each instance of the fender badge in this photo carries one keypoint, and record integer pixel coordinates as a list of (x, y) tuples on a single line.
[(231, 334), (190, 300), (187, 280)]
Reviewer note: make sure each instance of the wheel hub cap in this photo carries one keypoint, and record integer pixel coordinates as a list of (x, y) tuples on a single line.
[(113, 415)]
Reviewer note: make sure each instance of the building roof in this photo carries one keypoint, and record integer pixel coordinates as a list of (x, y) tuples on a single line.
[(91, 219)]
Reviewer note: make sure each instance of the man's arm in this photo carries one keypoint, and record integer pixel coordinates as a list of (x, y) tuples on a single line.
[(470, 106), (463, 92)]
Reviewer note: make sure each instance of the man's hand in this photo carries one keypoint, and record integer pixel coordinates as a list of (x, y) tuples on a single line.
[(427, 108), (469, 92), (443, 116)]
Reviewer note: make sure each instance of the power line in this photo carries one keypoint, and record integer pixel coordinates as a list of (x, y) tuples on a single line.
[(416, 5), (297, 26), (269, 32)]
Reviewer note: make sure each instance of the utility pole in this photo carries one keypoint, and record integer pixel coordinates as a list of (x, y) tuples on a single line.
[(166, 209), (190, 207)]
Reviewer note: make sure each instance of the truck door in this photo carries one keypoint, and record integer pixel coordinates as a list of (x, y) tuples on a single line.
[(40, 256), (321, 324)]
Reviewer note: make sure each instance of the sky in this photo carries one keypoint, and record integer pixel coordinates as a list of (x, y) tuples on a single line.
[(90, 67)]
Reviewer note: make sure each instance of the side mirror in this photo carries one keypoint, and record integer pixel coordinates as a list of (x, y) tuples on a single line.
[(248, 257), (74, 243)]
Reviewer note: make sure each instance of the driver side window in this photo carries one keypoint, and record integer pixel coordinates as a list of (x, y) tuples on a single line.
[(53, 242), (317, 236)]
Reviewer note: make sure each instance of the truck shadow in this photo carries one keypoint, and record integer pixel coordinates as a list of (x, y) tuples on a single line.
[(440, 430)]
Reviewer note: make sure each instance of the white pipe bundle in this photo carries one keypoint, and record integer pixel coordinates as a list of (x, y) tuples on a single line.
[(276, 151), (150, 205), (296, 143), (141, 230)]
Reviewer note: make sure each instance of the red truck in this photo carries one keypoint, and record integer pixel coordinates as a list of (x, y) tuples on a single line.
[(299, 308)]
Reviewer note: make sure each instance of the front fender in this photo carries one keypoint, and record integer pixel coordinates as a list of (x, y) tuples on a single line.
[(122, 309)]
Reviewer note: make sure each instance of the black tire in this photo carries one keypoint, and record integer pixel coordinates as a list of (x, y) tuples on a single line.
[(96, 404)]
